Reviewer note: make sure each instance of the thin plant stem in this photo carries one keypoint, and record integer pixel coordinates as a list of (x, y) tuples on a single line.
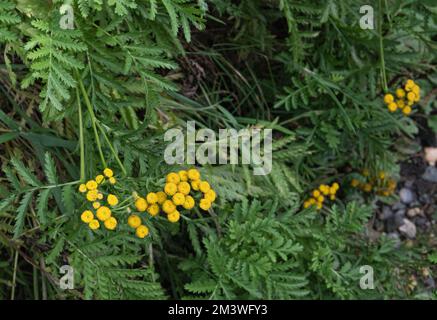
[(81, 139), (381, 49), (93, 118), (14, 276), (111, 148)]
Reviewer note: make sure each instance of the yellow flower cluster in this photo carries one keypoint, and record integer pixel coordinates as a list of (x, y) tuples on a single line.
[(141, 230), (94, 195), (178, 192), (379, 183), (406, 98), (320, 195)]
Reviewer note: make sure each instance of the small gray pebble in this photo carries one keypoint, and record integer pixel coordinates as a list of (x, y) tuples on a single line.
[(420, 222), (425, 198), (406, 195), (393, 223), (399, 220), (386, 213), (408, 229), (430, 174), (400, 213)]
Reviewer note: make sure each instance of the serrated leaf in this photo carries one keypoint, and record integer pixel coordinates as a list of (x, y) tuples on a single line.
[(21, 214), (25, 173), (41, 207), (50, 169)]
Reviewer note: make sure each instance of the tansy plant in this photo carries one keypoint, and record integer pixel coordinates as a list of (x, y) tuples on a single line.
[(405, 99), (378, 183), (97, 191), (181, 191), (109, 89), (321, 195)]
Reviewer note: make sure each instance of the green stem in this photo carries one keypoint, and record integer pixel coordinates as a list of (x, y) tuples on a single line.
[(81, 139), (93, 118), (381, 49), (111, 148), (14, 275)]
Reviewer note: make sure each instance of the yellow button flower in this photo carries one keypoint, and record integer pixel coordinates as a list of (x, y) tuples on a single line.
[(367, 187), (161, 197), (336, 186), (319, 206), (173, 177), (112, 180), (388, 98), (416, 90), (100, 178), (204, 186), (100, 196), (312, 201), (168, 206), (96, 205), (103, 213), (108, 172), (316, 193), (184, 187), (141, 204), (400, 93), (193, 174), (355, 183), (170, 188), (94, 224), (205, 204), (306, 204), (111, 223), (409, 85), (112, 200), (92, 195), (189, 203), (325, 189), (152, 198), (320, 199), (134, 221), (87, 216), (174, 217), (142, 232), (91, 185), (195, 185), (332, 197), (211, 195), (392, 107), (178, 199), (82, 188), (153, 210), (411, 96), (407, 110), (400, 103), (332, 190), (183, 175)]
